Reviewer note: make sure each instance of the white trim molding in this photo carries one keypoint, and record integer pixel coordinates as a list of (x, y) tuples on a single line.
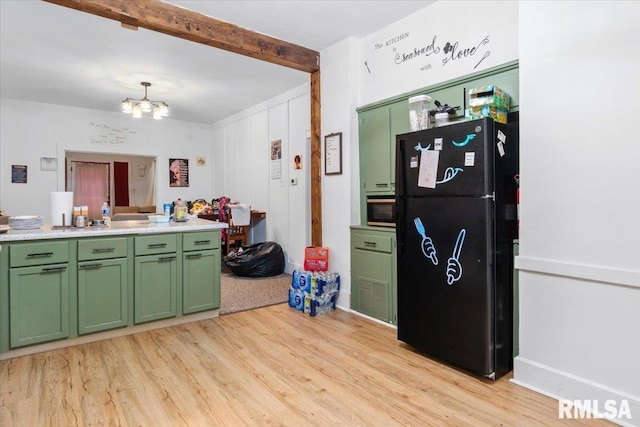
[(579, 271)]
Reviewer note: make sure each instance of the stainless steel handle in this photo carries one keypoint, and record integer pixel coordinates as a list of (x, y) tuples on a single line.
[(40, 255), (53, 269), (202, 242), (87, 266), (157, 246), (192, 256), (102, 250), (382, 185), (167, 258), (369, 243)]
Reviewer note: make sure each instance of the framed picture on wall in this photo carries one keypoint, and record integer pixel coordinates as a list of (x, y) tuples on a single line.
[(276, 159), (18, 174), (48, 164), (333, 154), (178, 172)]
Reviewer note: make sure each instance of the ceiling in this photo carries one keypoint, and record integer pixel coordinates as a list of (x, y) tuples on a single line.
[(57, 55)]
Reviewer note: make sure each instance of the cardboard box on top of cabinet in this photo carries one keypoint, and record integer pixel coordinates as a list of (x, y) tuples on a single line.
[(490, 95), (488, 101)]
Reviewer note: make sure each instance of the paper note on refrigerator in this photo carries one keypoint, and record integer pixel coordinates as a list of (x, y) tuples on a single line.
[(428, 172)]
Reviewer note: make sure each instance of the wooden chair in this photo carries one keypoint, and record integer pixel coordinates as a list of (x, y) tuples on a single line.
[(237, 235)]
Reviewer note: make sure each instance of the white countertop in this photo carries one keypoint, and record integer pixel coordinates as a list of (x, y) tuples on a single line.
[(116, 228)]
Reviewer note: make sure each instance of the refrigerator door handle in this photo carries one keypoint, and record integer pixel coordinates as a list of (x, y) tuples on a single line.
[(491, 196)]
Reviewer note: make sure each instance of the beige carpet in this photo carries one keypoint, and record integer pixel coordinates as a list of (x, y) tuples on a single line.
[(245, 293)]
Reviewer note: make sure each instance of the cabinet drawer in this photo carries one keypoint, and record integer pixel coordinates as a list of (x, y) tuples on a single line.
[(90, 249), (156, 244), (372, 242), (200, 241), (23, 255)]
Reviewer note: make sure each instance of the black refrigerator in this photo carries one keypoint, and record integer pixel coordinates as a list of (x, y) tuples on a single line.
[(456, 222)]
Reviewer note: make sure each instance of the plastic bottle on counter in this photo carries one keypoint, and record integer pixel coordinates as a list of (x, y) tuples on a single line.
[(106, 214), (180, 211)]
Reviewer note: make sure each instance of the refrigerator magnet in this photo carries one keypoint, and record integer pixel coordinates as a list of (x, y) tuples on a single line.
[(470, 159), (500, 146), (437, 144), (502, 137), (413, 162)]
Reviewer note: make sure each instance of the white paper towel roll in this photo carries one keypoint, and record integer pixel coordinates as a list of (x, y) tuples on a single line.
[(61, 203)]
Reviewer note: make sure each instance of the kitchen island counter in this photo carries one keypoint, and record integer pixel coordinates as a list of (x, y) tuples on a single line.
[(116, 228), (68, 286)]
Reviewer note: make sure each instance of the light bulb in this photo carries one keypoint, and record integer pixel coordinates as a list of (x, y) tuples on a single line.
[(137, 112), (157, 114), (127, 106), (145, 105), (163, 108)]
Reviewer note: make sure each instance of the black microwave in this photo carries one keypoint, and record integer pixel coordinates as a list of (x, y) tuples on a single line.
[(381, 211)]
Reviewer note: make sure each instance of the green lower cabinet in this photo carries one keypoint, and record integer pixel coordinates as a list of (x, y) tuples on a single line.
[(200, 281), (39, 304), (102, 295), (372, 297), (373, 274), (155, 287)]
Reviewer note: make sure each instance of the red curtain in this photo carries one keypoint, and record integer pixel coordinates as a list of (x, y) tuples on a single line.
[(121, 183), (90, 186)]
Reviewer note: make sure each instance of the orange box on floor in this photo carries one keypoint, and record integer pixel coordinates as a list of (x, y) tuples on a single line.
[(316, 258)]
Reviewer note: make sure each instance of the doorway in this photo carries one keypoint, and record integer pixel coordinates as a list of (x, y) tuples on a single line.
[(126, 180), (90, 186)]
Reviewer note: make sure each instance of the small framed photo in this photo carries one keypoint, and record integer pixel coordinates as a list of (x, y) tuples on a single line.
[(48, 164), (333, 154), (18, 174)]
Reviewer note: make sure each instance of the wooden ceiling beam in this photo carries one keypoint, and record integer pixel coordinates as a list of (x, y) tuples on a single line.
[(186, 24)]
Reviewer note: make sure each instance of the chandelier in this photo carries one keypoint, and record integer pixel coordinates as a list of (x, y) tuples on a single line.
[(136, 107)]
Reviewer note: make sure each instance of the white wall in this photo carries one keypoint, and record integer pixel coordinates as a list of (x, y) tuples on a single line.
[(242, 146), (31, 130), (445, 40), (340, 205), (579, 240)]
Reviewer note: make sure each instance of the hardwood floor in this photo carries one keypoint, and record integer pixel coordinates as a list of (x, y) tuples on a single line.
[(270, 366)]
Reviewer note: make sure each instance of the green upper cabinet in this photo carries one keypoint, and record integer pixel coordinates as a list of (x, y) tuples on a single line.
[(375, 150), (378, 129)]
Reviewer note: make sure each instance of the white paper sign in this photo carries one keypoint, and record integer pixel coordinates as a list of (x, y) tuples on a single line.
[(437, 144), (502, 137), (413, 163), (428, 172), (470, 159)]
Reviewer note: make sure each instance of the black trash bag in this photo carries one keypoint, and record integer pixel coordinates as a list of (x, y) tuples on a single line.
[(258, 260)]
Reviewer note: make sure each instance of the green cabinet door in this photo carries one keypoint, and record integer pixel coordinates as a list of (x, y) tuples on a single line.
[(373, 274), (375, 150), (155, 287), (102, 295), (38, 304), (200, 281), (372, 282)]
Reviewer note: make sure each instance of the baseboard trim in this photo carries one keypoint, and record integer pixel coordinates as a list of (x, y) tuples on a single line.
[(561, 385)]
